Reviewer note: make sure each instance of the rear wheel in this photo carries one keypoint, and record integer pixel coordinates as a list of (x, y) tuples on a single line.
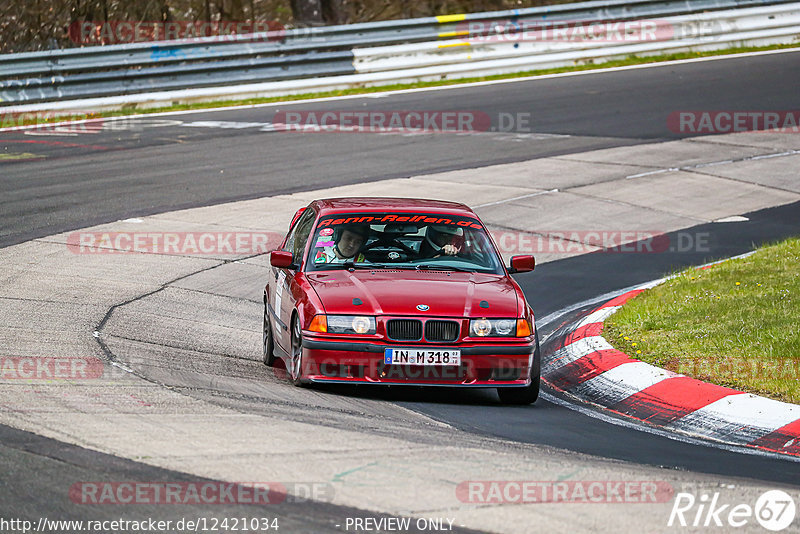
[(269, 341), (527, 394), (296, 361)]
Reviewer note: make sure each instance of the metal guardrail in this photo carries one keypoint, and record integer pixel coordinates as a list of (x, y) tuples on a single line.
[(402, 50), (768, 24)]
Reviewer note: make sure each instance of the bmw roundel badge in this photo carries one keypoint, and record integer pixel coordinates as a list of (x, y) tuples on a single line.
[(423, 307)]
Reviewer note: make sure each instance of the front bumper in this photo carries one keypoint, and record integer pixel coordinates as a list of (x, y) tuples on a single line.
[(482, 365)]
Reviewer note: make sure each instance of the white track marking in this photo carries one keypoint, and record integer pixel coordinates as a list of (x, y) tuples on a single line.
[(715, 163), (538, 193), (727, 416), (732, 218), (228, 125), (574, 351), (598, 316), (682, 437), (619, 383)]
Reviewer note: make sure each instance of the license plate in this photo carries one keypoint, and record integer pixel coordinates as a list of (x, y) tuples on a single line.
[(422, 357)]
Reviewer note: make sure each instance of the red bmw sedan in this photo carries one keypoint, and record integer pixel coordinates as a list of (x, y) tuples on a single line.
[(401, 292)]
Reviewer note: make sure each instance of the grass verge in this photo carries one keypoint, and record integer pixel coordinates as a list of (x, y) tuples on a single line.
[(632, 60), (735, 324)]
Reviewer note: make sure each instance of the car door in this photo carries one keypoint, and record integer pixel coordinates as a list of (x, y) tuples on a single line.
[(285, 295)]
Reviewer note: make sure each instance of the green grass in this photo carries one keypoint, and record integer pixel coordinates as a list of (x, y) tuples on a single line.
[(632, 60), (735, 324)]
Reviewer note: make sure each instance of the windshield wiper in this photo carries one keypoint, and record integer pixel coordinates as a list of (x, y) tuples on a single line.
[(438, 267), (351, 265)]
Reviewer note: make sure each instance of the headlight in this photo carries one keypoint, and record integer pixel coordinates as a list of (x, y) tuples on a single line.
[(361, 325), (351, 324), (480, 327), (496, 327), (504, 326)]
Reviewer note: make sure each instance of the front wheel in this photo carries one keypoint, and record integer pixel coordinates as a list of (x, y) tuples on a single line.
[(296, 361), (527, 394)]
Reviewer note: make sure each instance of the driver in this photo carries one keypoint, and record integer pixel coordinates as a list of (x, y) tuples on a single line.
[(348, 241), (441, 240)]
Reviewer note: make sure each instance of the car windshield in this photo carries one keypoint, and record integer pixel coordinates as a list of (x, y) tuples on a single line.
[(393, 240)]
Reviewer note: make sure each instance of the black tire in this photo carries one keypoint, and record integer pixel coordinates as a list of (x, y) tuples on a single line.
[(269, 340), (528, 394), (295, 365)]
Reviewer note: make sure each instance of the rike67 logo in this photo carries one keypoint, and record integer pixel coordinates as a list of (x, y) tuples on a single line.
[(774, 510)]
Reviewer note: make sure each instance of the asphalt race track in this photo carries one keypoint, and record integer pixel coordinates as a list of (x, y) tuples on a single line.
[(116, 174), (165, 163)]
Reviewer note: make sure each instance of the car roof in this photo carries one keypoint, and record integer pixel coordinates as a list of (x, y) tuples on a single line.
[(329, 206)]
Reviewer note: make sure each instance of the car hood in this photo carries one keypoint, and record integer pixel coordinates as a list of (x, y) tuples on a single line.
[(399, 292)]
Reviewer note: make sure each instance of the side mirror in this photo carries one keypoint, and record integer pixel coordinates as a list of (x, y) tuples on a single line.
[(297, 215), (280, 258), (522, 264)]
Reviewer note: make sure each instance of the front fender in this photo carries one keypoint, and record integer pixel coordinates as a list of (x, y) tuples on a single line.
[(307, 302)]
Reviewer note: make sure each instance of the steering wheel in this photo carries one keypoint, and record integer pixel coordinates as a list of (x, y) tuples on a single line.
[(384, 240)]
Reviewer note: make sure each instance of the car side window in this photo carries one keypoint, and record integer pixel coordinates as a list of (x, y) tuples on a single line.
[(296, 242)]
